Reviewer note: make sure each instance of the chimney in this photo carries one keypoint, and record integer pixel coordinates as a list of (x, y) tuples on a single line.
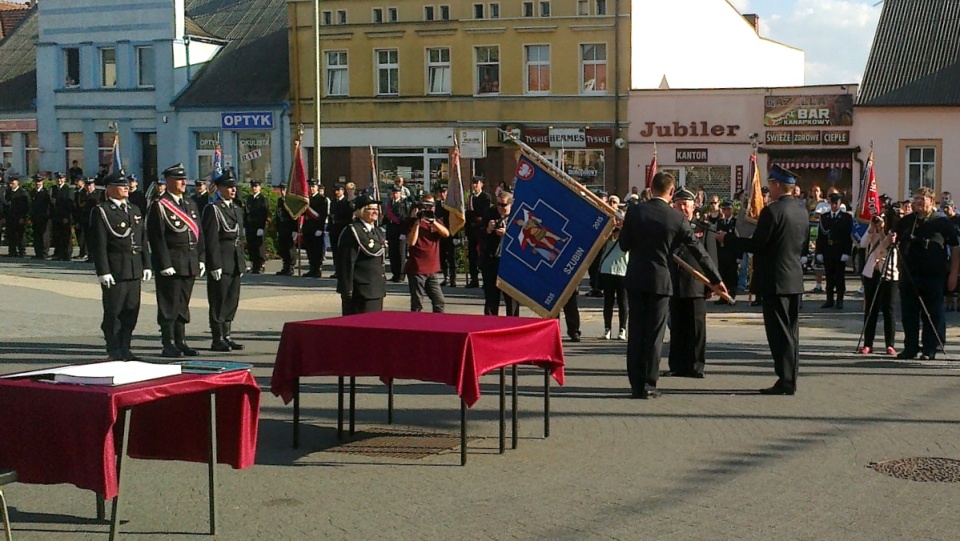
[(754, 21)]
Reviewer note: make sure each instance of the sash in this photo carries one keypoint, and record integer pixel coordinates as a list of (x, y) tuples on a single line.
[(313, 214), (179, 213)]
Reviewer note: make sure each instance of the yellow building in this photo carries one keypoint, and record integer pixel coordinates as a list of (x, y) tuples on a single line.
[(404, 76)]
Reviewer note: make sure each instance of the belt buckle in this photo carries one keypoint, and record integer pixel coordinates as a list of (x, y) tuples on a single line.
[(830, 242)]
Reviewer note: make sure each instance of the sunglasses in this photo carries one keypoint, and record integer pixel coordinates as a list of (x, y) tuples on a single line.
[(503, 205)]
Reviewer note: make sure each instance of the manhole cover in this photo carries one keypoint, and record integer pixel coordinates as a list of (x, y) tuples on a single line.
[(923, 469), (409, 445)]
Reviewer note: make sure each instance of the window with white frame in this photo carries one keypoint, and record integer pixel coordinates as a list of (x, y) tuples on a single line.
[(593, 62), (527, 9), (341, 16), (388, 72), (6, 151), (429, 13), (337, 74), (544, 8), (583, 7), (108, 67), (392, 15), (146, 69), (378, 15), (438, 70), (494, 10), (478, 11), (488, 69), (444, 13), (538, 68), (71, 65), (921, 168), (601, 7), (327, 17)]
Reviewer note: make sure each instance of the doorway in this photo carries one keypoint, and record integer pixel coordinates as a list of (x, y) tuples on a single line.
[(148, 155)]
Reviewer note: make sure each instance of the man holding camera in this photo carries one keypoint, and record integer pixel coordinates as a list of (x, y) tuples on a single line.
[(396, 213), (491, 240), (423, 258), (834, 245)]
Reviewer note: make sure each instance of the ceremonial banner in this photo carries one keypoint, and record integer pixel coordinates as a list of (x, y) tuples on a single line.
[(215, 174), (116, 164), (652, 170), (296, 199), (454, 200), (555, 229), (869, 194), (374, 178), (752, 202)]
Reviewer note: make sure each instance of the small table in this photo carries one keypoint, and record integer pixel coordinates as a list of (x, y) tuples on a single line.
[(59, 433), (454, 349)]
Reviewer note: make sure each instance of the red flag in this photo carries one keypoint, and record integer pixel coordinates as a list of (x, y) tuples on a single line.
[(652, 170), (755, 200), (297, 199), (869, 193)]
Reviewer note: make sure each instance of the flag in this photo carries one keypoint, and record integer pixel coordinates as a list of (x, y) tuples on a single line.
[(116, 164), (454, 200), (652, 170), (754, 202), (374, 178), (297, 199), (869, 193), (215, 174)]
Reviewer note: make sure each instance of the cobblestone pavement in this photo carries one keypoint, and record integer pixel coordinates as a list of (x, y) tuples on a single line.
[(711, 460)]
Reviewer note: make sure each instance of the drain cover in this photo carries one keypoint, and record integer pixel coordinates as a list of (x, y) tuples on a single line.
[(923, 469), (409, 445)]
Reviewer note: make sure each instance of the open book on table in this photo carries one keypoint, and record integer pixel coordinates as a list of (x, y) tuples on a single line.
[(109, 373)]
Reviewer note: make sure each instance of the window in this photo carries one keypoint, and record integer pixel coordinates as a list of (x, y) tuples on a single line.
[(583, 7), (538, 68), (378, 15), (544, 9), (327, 18), (33, 153), (392, 15), (528, 9), (438, 71), (71, 64), (586, 166), (478, 11), (388, 72), (6, 151), (921, 168), (488, 70), (206, 148), (259, 166), (593, 61), (341, 16), (601, 7), (494, 11), (145, 66), (444, 13), (73, 143), (428, 13), (108, 67), (337, 74), (105, 147)]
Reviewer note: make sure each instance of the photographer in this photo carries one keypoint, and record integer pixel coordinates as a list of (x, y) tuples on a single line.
[(880, 274), (495, 220), (423, 256)]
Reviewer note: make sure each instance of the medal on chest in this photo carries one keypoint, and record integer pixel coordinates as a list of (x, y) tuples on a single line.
[(370, 244)]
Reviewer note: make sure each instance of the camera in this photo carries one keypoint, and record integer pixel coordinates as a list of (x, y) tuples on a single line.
[(427, 214)]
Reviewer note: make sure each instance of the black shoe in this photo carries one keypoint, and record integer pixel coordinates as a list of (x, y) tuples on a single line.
[(928, 356), (171, 352), (312, 274), (444, 283), (472, 285), (131, 357), (679, 374), (220, 345), (575, 338), (334, 276), (907, 355), (756, 303), (778, 389), (396, 279), (828, 304), (453, 284), (839, 305), (648, 394), (285, 272), (187, 350)]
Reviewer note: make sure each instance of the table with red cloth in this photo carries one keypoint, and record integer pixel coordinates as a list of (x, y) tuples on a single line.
[(454, 349), (61, 433)]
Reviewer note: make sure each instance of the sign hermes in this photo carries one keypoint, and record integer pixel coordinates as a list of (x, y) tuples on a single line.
[(694, 129)]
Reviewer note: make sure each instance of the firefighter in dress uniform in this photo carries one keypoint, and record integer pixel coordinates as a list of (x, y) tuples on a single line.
[(222, 221), (255, 221), (176, 250), (287, 232), (361, 280)]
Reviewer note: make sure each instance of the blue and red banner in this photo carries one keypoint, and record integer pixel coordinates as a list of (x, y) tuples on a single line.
[(555, 229)]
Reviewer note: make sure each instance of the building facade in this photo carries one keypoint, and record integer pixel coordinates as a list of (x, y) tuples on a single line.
[(404, 78)]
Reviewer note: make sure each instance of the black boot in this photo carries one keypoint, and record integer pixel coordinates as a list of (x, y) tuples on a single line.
[(219, 344), (228, 339), (179, 338), (839, 305), (829, 303), (169, 349)]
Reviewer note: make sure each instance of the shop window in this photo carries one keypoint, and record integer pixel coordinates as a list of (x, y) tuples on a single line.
[(538, 68), (421, 168), (585, 166), (255, 156), (105, 147), (71, 64), (32, 153), (73, 143), (388, 72), (494, 11), (206, 143), (337, 74), (488, 70), (593, 62), (921, 168), (108, 67), (327, 18), (478, 11), (528, 9), (438, 71), (444, 13), (146, 70), (428, 13)]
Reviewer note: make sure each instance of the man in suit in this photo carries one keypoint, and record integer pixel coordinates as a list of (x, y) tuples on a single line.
[(40, 207), (287, 233), (79, 227), (361, 281), (652, 232), (688, 307), (834, 245), (17, 204), (314, 223), (477, 206), (777, 245), (491, 240), (255, 222), (727, 260), (61, 218), (222, 222), (395, 217), (177, 248), (137, 197), (341, 215), (119, 252), (201, 196)]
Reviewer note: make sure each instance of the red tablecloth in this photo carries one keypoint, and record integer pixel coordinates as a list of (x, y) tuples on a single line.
[(443, 348), (55, 433)]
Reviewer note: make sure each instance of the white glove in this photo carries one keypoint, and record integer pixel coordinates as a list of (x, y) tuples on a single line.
[(216, 274), (819, 258), (107, 280), (259, 232), (203, 268), (168, 272), (844, 258), (803, 261), (147, 275), (295, 235), (318, 234)]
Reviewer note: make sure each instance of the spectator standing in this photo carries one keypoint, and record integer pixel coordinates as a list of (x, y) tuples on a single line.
[(477, 205), (17, 204), (423, 260), (40, 207), (491, 239), (613, 268), (61, 218), (257, 212), (395, 215), (880, 277)]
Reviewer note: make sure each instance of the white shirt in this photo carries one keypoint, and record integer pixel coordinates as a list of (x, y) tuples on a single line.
[(118, 202)]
